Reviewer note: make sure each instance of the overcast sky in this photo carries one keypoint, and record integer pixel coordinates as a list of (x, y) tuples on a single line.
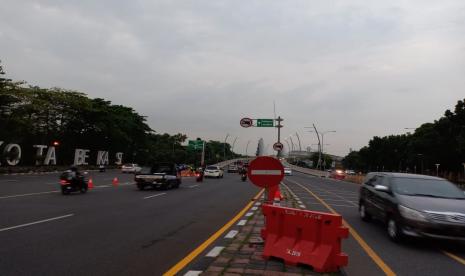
[(361, 68)]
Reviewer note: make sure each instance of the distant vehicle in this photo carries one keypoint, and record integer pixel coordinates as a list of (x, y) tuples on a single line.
[(287, 171), (337, 174), (350, 172), (130, 168), (214, 171), (414, 205), (232, 168), (160, 175), (101, 168)]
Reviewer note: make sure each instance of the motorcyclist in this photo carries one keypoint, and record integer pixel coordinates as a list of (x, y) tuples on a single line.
[(76, 177)]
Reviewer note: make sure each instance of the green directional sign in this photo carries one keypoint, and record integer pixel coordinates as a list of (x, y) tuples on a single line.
[(265, 122), (195, 144)]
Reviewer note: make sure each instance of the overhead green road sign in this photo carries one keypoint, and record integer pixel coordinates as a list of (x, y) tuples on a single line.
[(195, 144), (265, 122)]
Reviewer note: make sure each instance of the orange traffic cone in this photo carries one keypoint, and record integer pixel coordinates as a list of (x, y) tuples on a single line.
[(90, 184), (115, 181)]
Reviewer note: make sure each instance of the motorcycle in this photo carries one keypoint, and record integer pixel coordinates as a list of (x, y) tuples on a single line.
[(199, 176), (72, 182), (243, 177)]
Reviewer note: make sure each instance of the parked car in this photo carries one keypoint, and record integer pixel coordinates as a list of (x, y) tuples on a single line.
[(130, 168), (414, 205), (287, 171), (214, 171)]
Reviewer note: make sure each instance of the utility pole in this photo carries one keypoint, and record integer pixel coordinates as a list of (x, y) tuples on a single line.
[(279, 126), (246, 148)]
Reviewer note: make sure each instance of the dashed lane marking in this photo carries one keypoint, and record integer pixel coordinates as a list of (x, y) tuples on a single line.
[(147, 197), (193, 186), (35, 222), (30, 194), (242, 222), (231, 234), (215, 251), (249, 214), (193, 273), (254, 208)]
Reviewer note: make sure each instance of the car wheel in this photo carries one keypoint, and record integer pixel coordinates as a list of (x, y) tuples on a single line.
[(140, 187), (177, 184), (394, 230), (83, 190), (363, 213), (64, 191)]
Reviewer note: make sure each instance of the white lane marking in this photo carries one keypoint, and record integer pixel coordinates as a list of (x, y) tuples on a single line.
[(215, 251), (302, 206), (257, 204), (102, 186), (193, 273), (231, 234), (41, 193), (254, 208), (9, 180), (35, 222), (265, 172), (193, 186), (154, 195), (249, 214), (242, 222)]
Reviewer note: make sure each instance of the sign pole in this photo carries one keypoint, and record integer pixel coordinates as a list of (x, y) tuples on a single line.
[(279, 126), (202, 160)]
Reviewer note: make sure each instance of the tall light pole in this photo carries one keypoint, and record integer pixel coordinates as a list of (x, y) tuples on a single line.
[(288, 147), (234, 142), (298, 138), (226, 138), (246, 148)]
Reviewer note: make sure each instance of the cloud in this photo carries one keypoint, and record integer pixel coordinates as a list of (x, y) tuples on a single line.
[(197, 67)]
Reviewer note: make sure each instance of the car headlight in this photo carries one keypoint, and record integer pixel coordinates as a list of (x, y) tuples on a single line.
[(411, 214)]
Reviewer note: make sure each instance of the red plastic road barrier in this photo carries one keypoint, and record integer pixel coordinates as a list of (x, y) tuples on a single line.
[(304, 237)]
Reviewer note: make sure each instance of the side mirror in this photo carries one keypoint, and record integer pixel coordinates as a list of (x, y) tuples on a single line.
[(381, 188)]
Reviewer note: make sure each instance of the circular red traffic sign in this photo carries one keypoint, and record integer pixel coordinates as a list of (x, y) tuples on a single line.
[(246, 122), (265, 171), (278, 146)]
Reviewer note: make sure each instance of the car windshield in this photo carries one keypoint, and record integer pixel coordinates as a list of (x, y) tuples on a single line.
[(426, 187), (212, 168), (161, 169)]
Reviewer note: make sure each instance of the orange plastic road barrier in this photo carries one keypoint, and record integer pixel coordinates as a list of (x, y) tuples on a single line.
[(90, 184), (115, 181), (304, 237)]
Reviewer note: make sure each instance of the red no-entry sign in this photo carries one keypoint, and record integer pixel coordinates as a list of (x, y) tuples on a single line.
[(265, 171)]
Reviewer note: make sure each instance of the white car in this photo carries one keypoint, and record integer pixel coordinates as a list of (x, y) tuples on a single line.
[(287, 171), (213, 171), (130, 168)]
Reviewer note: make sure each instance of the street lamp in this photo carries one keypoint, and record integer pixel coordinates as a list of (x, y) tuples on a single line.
[(246, 148), (437, 169)]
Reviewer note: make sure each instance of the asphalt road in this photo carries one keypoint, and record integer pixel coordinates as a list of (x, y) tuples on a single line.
[(110, 230), (414, 257)]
